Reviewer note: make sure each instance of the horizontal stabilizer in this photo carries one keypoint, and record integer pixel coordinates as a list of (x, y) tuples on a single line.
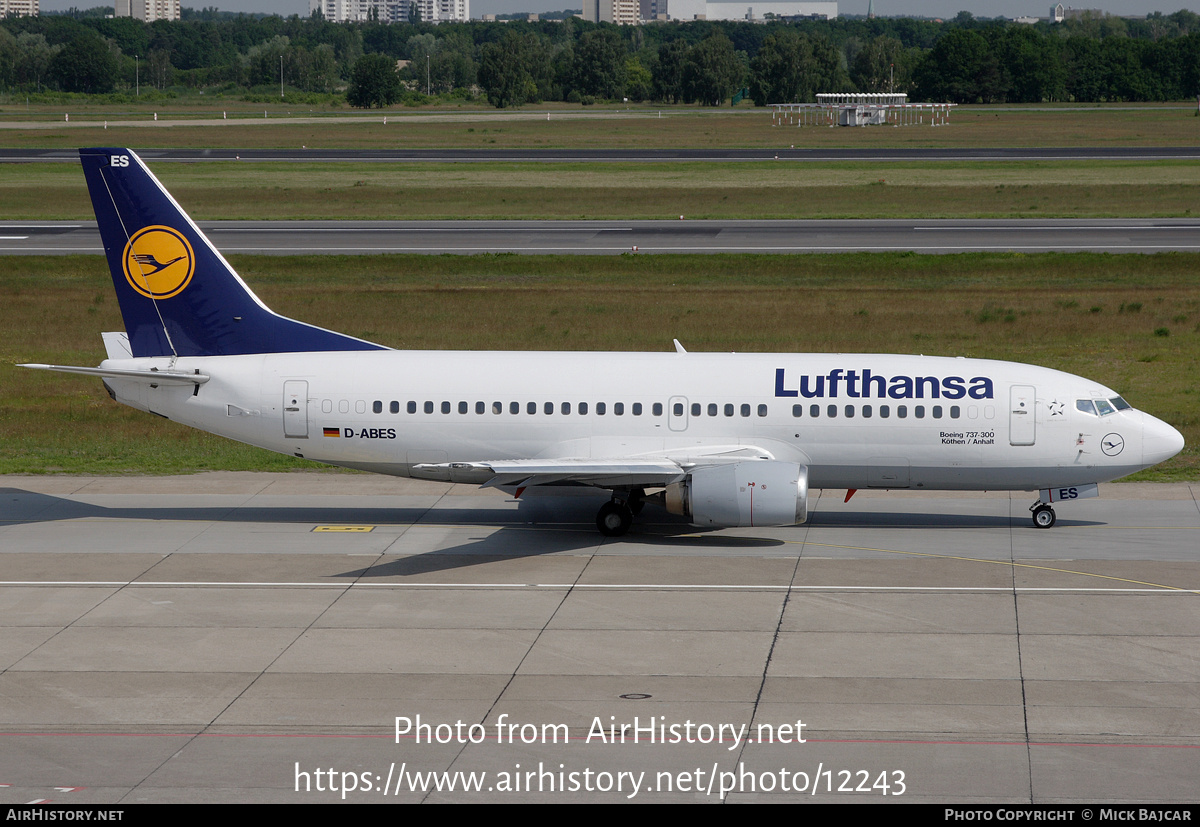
[(152, 376)]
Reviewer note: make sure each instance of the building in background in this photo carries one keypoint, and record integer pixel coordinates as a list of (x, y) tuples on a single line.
[(392, 11), (621, 12), (147, 10), (18, 8)]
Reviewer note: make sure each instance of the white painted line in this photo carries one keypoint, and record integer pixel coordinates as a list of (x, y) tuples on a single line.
[(628, 586), (497, 230)]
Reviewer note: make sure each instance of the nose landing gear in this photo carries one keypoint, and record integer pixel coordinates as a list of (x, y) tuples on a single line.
[(1043, 515)]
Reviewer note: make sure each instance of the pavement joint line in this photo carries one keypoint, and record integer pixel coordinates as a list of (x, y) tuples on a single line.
[(1009, 563)]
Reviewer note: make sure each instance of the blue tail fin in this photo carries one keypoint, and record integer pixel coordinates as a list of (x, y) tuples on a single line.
[(177, 294)]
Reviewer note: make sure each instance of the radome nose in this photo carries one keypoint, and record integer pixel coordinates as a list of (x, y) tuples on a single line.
[(1160, 441)]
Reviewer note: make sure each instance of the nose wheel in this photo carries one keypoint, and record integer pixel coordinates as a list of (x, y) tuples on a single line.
[(1043, 515)]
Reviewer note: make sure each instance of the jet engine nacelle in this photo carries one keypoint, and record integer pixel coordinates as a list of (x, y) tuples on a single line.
[(757, 493)]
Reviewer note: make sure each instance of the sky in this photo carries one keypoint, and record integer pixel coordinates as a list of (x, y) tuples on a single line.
[(914, 8)]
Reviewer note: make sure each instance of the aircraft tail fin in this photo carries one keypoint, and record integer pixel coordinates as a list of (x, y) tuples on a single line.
[(178, 295)]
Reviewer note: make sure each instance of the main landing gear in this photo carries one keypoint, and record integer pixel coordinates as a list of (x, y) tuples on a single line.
[(1043, 515), (616, 516)]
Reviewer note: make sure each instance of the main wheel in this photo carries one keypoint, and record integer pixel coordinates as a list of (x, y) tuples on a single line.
[(1043, 516), (614, 519)]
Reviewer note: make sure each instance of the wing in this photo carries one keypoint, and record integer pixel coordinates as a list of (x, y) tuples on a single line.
[(609, 472)]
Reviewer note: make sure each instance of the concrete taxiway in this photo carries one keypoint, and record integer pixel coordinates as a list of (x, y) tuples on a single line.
[(1120, 235), (234, 637)]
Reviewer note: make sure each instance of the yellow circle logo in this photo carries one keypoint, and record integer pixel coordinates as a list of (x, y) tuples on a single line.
[(158, 262)]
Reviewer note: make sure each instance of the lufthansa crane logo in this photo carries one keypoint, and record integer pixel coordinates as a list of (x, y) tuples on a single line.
[(158, 262), (1112, 444)]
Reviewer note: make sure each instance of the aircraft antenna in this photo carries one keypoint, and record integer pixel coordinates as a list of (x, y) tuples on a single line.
[(142, 273)]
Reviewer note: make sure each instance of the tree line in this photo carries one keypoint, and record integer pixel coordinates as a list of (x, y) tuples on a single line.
[(963, 60)]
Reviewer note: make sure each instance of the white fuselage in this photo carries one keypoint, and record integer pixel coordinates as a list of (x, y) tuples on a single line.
[(856, 420)]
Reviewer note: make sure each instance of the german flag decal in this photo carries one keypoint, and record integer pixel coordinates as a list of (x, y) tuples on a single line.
[(332, 431)]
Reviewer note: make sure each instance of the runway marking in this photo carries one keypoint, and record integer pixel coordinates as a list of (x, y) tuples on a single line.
[(476, 230), (360, 529), (391, 737), (216, 584)]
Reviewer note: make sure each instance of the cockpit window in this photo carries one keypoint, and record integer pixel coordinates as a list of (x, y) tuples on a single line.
[(1104, 408), (1120, 404), (1086, 406)]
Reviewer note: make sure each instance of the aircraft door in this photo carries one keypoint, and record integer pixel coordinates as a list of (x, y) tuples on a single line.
[(295, 409), (677, 413), (1022, 419)]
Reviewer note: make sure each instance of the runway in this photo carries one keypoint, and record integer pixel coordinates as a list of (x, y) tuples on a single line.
[(613, 237), (237, 637), (626, 155)]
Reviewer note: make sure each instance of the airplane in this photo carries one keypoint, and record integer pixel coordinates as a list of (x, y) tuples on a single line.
[(723, 439)]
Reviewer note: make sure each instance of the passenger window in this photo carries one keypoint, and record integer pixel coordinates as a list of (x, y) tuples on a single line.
[(583, 409), (797, 410), (326, 406), (677, 409), (462, 407), (955, 412), (566, 408), (360, 406), (377, 407), (481, 407), (394, 407), (695, 409), (814, 411), (531, 408), (745, 410), (866, 410), (600, 408), (497, 407), (618, 408), (548, 408), (658, 409), (445, 407), (637, 408), (919, 411), (729, 410), (514, 407), (412, 407), (428, 407), (937, 411), (902, 412), (831, 411), (762, 410), (343, 406), (849, 412), (712, 408), (885, 411)]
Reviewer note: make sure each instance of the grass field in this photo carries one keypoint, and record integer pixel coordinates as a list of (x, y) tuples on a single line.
[(975, 189), (201, 125), (1131, 322)]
